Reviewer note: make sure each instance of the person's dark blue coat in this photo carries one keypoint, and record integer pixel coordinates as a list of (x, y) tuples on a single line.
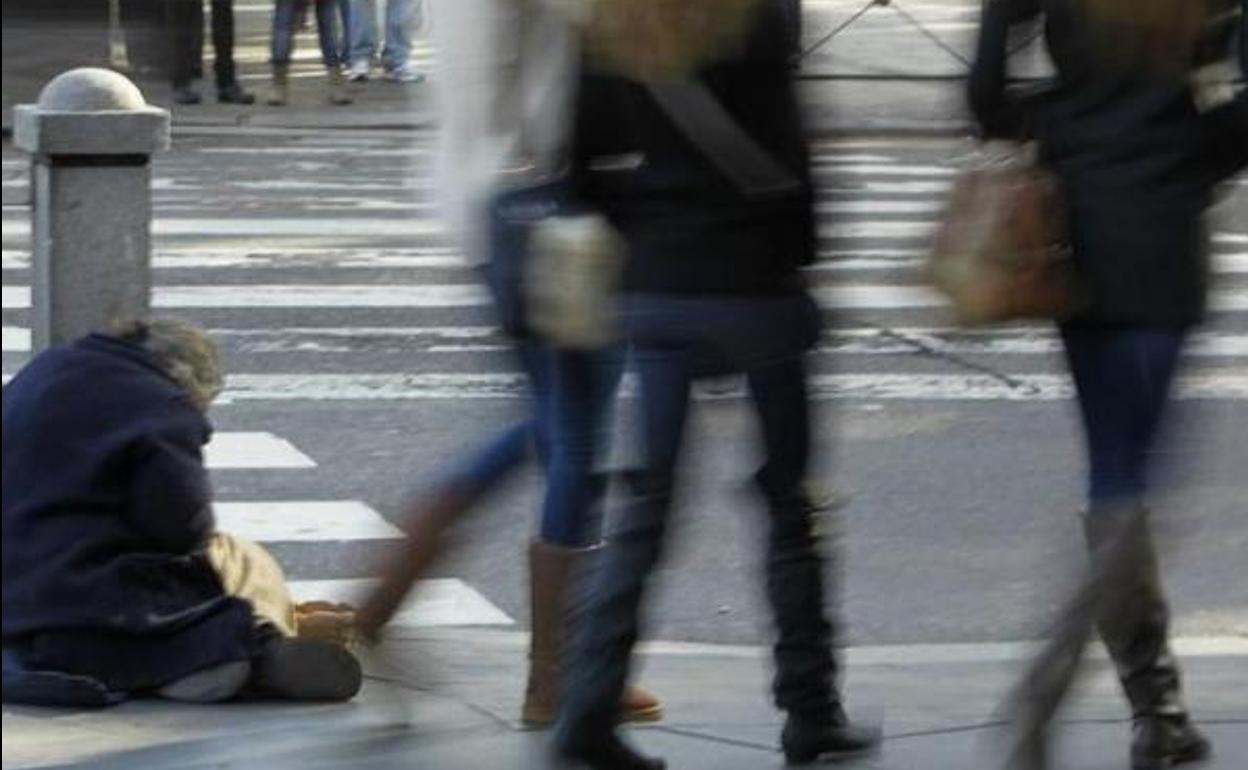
[(106, 508)]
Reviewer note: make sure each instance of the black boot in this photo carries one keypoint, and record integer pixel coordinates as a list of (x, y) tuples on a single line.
[(234, 93), (1162, 742), (601, 655), (805, 660), (830, 737), (186, 96), (610, 753), (1133, 621)]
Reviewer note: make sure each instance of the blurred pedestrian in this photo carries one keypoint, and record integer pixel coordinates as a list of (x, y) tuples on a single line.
[(401, 18), (186, 26), (692, 145), (285, 20), (497, 60), (116, 583), (1138, 163)]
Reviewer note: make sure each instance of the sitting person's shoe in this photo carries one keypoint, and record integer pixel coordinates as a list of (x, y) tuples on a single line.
[(186, 96), (306, 670), (234, 93), (1161, 742), (807, 740), (610, 753), (327, 622)]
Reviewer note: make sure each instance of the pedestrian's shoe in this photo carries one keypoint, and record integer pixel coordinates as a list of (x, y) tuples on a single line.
[(607, 753), (806, 740), (1159, 743), (359, 71), (306, 670), (234, 93), (337, 93), (552, 571), (1133, 621), (404, 74), (280, 94), (186, 96)]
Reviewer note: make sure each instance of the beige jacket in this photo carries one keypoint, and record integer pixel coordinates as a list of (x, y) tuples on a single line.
[(503, 97)]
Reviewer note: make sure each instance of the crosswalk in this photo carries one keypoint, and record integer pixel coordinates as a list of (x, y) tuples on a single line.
[(319, 262)]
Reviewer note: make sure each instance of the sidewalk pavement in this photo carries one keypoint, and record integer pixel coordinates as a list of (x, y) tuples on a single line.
[(447, 699)]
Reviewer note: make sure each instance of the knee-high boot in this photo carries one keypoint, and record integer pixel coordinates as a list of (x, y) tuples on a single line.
[(1133, 622)]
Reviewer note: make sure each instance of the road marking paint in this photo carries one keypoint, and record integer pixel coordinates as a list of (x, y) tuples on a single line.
[(304, 521), (467, 295), (1225, 384), (439, 602), (875, 169), (245, 449), (869, 206), (361, 227)]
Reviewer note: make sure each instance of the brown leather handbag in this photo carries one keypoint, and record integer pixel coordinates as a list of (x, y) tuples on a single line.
[(1001, 252)]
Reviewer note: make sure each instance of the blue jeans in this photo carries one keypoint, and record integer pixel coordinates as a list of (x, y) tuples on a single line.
[(573, 393), (328, 14), (1122, 377), (401, 17)]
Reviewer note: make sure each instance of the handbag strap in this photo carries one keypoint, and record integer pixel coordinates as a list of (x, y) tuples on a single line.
[(704, 122)]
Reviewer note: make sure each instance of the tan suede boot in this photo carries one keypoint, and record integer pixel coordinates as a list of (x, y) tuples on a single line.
[(425, 524), (337, 94), (280, 95), (552, 570)]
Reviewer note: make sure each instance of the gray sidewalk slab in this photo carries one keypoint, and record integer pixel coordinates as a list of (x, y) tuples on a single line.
[(448, 699)]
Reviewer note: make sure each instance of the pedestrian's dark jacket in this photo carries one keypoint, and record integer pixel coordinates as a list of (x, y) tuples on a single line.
[(689, 229), (106, 507), (1138, 162)]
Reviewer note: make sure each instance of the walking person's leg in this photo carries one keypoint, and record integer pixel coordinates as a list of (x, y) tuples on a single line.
[(229, 90), (1122, 379), (581, 391), (327, 36), (186, 30), (609, 625), (363, 41), (282, 44), (805, 683), (401, 19)]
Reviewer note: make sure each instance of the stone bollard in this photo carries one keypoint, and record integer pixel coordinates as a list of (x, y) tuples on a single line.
[(92, 136)]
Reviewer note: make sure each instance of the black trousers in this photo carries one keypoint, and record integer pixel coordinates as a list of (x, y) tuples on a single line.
[(185, 20)]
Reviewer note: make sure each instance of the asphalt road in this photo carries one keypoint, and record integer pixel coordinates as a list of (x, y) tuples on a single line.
[(353, 333)]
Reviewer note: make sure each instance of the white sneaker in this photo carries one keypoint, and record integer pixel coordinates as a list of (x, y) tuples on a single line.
[(404, 74), (358, 72)]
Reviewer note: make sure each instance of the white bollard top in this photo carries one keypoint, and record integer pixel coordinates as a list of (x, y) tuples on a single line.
[(91, 112), (90, 89)]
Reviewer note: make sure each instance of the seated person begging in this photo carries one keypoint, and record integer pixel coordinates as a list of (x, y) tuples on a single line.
[(116, 583)]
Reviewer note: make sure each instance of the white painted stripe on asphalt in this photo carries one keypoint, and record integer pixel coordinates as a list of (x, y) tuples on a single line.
[(856, 297), (304, 521), (16, 339), (292, 149), (879, 169), (869, 206), (888, 188), (362, 227), (444, 257), (432, 603), (441, 296), (1223, 384), (854, 341), (1238, 239), (232, 450)]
